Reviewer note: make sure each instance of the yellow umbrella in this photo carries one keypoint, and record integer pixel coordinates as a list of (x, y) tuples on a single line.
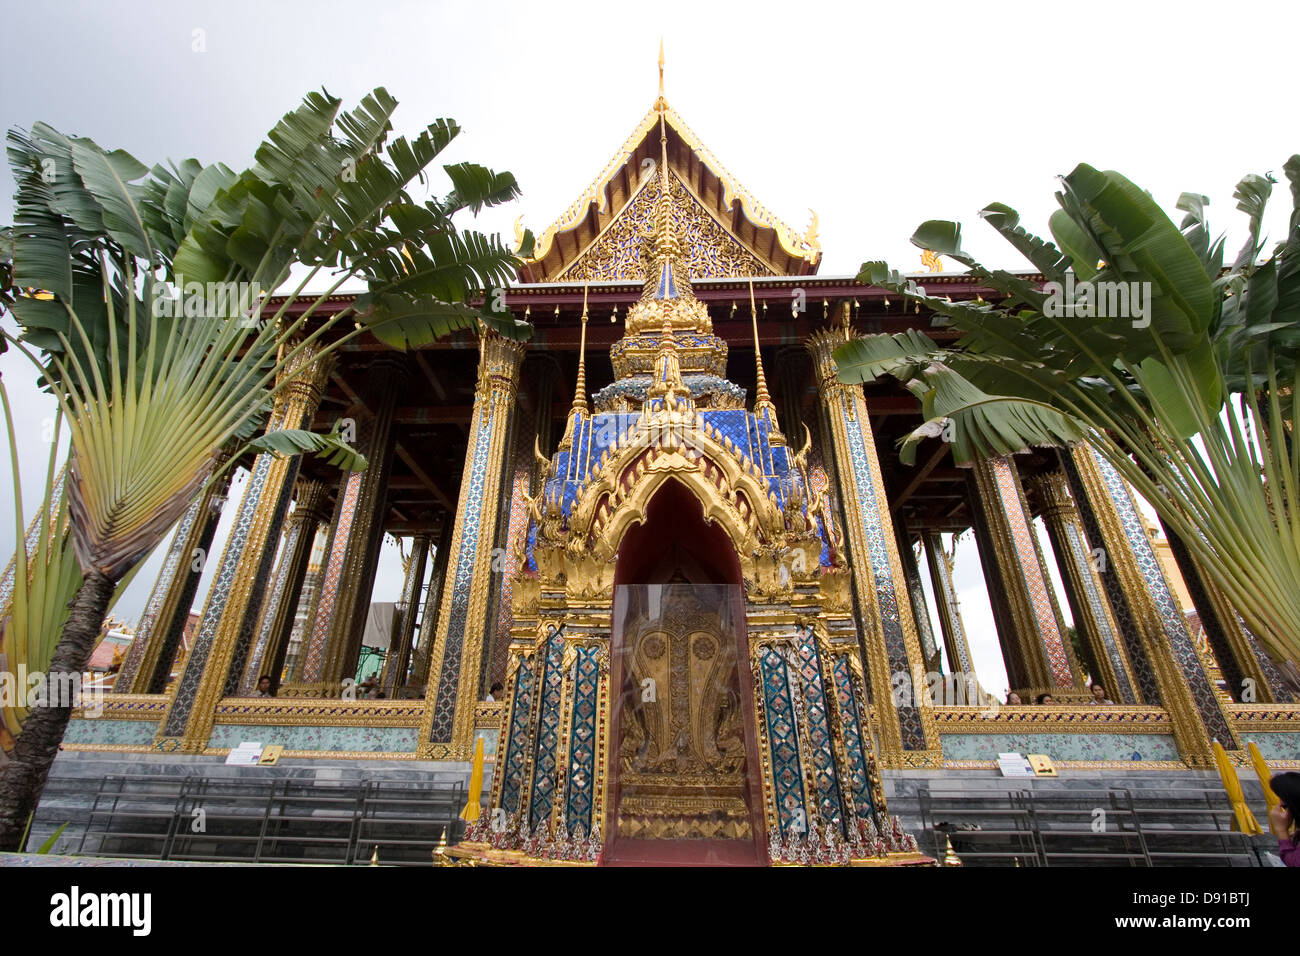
[(472, 809), (1264, 774), (1245, 821)]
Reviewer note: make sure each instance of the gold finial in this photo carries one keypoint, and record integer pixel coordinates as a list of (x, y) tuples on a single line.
[(763, 399), (579, 407), (580, 388), (661, 103), (930, 259)]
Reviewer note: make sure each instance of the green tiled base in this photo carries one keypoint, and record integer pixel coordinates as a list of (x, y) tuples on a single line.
[(1060, 747)]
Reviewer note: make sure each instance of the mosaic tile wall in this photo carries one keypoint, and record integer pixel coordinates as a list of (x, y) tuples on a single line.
[(187, 686), (1141, 667), (818, 749), (1060, 746), (582, 742), (116, 733), (327, 590), (874, 530), (1274, 745), (516, 757), (324, 739), (545, 763), (1171, 615), (1032, 574), (854, 745), (1097, 602), (462, 568), (783, 741)]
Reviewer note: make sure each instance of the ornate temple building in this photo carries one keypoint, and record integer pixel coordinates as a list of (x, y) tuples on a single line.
[(669, 568)]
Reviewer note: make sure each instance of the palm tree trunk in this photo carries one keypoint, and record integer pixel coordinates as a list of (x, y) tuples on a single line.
[(23, 779)]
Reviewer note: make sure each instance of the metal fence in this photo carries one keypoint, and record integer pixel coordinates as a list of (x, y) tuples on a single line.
[(1111, 827), (272, 821)]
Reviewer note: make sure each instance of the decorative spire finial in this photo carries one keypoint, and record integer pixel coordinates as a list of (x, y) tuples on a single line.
[(763, 399), (580, 388), (661, 103)]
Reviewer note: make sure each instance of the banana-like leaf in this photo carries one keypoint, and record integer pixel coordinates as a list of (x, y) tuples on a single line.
[(288, 442), (981, 425)]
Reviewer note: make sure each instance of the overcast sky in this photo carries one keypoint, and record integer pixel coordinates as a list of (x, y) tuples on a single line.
[(878, 116)]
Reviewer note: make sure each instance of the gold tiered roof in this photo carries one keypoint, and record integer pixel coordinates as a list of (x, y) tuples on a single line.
[(726, 232)]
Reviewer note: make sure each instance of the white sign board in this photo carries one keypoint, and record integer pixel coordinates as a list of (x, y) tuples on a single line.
[(1015, 765), (247, 754)]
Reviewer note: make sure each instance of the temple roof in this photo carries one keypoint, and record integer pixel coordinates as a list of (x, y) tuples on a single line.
[(730, 233)]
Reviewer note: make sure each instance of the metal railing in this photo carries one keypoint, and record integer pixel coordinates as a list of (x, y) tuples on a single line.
[(1110, 827), (215, 819)]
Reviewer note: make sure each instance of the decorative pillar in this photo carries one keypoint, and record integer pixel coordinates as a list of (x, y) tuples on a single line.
[(1081, 569), (1046, 660), (281, 606), (1164, 656), (399, 654), (229, 616), (148, 662), (1250, 673), (945, 596), (887, 627), (343, 601), (432, 603), (455, 669), (916, 593)]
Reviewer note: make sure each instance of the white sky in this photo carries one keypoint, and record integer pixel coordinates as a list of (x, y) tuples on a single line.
[(878, 116)]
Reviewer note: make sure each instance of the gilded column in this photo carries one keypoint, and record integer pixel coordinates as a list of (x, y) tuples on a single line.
[(394, 675), (1081, 570), (432, 603), (1249, 671), (1046, 658), (1166, 663), (455, 670), (945, 597), (281, 605), (148, 663), (916, 593), (887, 626), (344, 597), (229, 615)]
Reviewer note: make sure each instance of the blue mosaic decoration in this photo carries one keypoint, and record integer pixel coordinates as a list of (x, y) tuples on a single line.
[(244, 643), (582, 742), (461, 575), (1082, 559), (1171, 615), (819, 750), (516, 756), (548, 737), (1128, 629), (783, 739), (864, 805), (249, 683), (187, 687), (909, 717)]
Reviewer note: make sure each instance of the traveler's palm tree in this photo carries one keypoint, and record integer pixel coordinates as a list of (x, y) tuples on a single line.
[(151, 389), (1192, 402)]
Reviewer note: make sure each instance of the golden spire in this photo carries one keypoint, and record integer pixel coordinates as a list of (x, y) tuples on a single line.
[(579, 407), (763, 399), (580, 388), (661, 102)]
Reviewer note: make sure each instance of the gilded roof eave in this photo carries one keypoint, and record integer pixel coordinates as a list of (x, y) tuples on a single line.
[(803, 248)]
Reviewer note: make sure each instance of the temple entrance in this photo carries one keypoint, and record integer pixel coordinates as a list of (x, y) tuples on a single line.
[(684, 759)]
